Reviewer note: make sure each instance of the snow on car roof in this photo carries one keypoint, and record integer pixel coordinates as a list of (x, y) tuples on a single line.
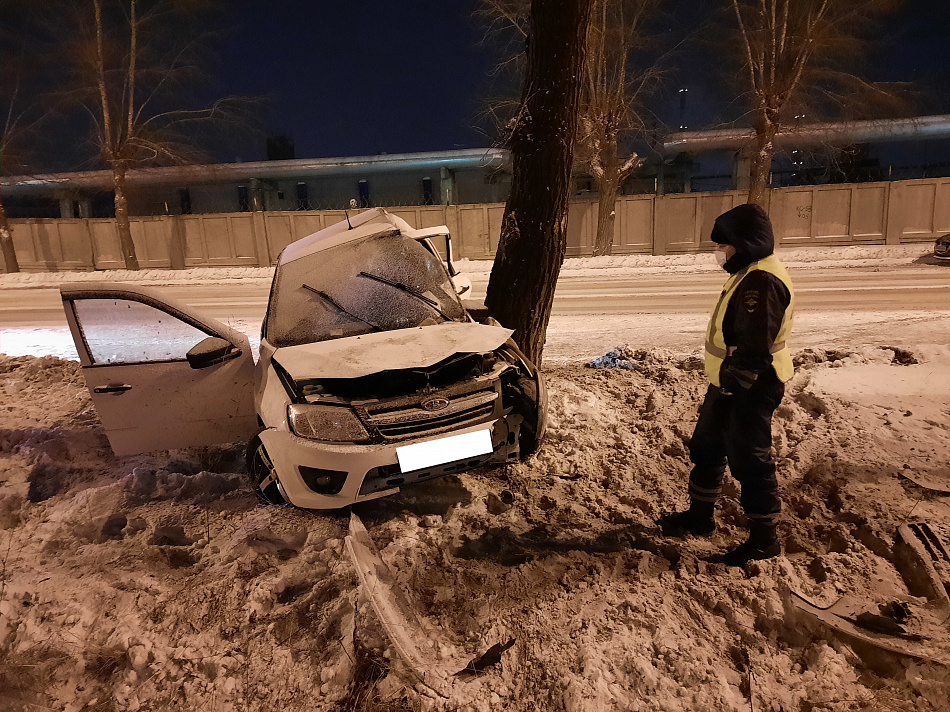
[(372, 222)]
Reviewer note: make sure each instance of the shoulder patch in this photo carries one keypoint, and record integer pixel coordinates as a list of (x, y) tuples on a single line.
[(750, 299)]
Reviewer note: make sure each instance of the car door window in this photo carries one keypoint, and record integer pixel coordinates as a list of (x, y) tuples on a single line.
[(124, 331)]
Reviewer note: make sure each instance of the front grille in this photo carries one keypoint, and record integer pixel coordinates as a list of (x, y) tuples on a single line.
[(395, 420)]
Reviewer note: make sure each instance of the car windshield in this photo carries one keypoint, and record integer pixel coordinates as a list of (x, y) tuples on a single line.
[(381, 283)]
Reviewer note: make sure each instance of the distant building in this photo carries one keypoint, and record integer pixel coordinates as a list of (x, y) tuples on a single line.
[(435, 178), (683, 162)]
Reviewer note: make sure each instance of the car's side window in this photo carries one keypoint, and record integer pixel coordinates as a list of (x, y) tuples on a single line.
[(123, 331)]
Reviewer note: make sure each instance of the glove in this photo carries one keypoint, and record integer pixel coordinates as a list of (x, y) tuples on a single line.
[(733, 380)]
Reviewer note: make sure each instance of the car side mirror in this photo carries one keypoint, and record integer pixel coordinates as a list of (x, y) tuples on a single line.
[(211, 351)]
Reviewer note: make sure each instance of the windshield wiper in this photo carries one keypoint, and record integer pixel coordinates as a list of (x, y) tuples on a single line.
[(333, 302), (432, 303)]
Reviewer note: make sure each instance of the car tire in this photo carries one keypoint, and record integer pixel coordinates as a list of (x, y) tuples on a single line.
[(535, 416), (263, 475)]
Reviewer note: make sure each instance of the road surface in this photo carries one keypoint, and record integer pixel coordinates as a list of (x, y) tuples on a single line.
[(910, 303)]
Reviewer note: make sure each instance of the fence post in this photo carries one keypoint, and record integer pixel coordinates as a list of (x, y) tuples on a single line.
[(894, 226), (261, 243), (176, 241), (90, 244), (659, 239)]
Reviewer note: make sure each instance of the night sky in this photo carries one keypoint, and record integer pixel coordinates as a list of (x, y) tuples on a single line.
[(361, 78), (392, 76)]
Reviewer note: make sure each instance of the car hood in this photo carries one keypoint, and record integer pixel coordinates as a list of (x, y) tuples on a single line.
[(357, 356)]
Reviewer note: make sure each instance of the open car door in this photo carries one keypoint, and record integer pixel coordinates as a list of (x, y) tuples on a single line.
[(161, 376)]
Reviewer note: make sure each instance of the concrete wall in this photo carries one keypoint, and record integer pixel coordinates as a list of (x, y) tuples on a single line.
[(863, 213)]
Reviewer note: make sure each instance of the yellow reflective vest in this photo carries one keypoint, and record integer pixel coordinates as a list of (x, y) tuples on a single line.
[(716, 347)]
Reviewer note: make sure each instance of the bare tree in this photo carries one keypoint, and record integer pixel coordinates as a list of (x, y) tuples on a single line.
[(534, 227), (611, 102), (16, 123), (795, 56), (21, 114), (612, 90), (132, 62)]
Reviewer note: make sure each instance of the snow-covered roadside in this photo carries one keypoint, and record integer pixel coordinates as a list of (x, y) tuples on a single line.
[(578, 339), (152, 583), (813, 257)]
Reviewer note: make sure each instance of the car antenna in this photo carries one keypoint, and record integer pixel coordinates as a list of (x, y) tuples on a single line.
[(352, 206)]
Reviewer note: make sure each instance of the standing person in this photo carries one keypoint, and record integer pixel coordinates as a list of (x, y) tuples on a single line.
[(747, 364)]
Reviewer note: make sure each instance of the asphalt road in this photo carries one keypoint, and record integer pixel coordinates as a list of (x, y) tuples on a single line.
[(854, 289)]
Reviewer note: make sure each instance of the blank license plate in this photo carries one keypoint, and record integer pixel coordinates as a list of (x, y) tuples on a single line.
[(421, 456)]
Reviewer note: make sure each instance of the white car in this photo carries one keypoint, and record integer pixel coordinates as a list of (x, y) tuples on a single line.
[(371, 373)]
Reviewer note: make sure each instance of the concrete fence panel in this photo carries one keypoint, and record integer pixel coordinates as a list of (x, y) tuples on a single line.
[(472, 238), (865, 213), (942, 208), (581, 227), (105, 241), (869, 212), (633, 227), (279, 231), (149, 235), (918, 200), (791, 213), (22, 233), (676, 228), (830, 215)]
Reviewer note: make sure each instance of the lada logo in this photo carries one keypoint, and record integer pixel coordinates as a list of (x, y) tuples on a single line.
[(433, 404)]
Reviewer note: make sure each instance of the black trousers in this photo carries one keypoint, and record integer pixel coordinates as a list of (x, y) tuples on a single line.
[(737, 429)]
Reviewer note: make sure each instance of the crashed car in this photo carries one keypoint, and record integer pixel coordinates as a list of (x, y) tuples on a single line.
[(942, 247), (371, 375)]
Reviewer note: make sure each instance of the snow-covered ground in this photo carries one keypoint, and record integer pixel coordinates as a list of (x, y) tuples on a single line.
[(156, 582)]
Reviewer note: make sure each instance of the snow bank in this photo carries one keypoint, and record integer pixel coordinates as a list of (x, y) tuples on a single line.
[(156, 582)]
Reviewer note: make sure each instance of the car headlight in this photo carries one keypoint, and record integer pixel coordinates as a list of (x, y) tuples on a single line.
[(324, 422)]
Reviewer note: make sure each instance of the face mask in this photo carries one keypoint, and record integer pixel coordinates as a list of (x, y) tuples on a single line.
[(721, 256)]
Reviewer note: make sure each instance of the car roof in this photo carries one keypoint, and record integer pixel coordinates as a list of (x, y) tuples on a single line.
[(368, 223)]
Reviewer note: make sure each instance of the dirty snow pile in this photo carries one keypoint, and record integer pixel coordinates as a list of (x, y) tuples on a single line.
[(157, 582)]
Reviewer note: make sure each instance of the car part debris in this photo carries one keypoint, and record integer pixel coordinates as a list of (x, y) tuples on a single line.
[(928, 482), (883, 624), (877, 650), (490, 657), (415, 646), (923, 560), (898, 611)]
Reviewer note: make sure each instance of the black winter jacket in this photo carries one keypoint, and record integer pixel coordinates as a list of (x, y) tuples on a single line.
[(757, 308)]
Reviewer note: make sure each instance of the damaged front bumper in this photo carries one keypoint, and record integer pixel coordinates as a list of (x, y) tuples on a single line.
[(320, 475)]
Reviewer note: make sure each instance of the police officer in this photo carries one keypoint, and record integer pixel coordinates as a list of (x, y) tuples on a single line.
[(747, 364)]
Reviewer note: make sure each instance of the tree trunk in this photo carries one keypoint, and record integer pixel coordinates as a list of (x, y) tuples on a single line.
[(10, 263), (122, 218), (761, 170), (608, 188), (534, 227)]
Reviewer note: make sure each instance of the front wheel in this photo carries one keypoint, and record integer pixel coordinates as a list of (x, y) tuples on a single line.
[(263, 475), (535, 411)]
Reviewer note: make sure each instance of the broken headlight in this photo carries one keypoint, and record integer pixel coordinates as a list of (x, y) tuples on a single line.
[(323, 422)]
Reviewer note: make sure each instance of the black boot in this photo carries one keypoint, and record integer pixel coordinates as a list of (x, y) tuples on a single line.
[(762, 543), (698, 520)]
